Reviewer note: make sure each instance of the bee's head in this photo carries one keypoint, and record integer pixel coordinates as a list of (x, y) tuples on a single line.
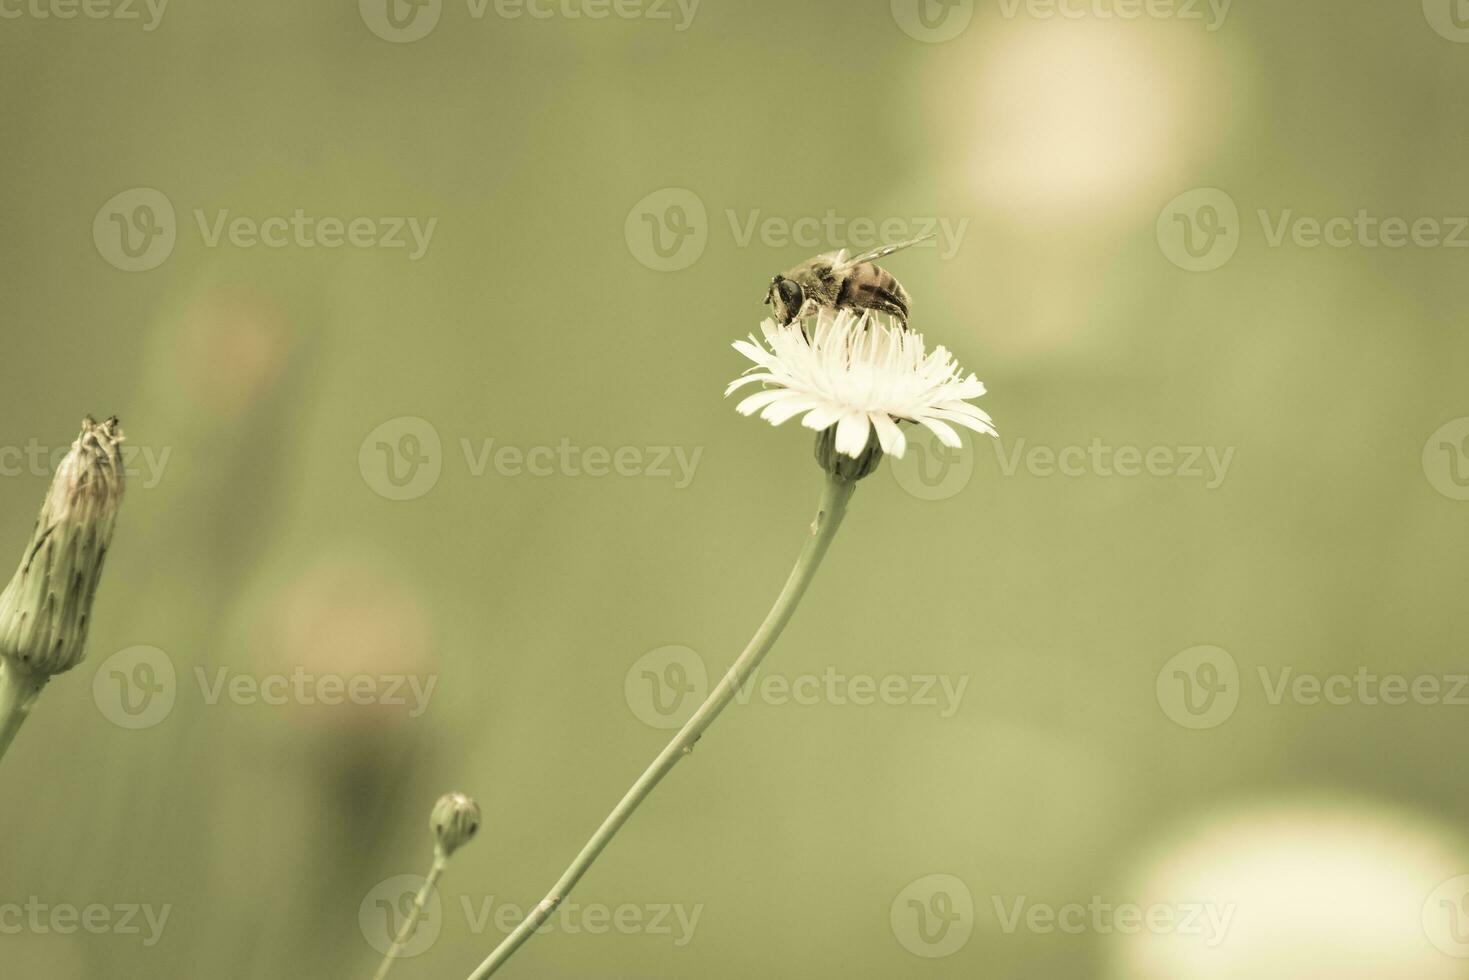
[(786, 297)]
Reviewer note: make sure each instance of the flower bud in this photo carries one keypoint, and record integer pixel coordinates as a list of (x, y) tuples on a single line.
[(455, 821), (46, 609), (844, 466)]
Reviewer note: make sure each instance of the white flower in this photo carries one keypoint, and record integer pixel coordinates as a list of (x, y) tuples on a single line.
[(858, 373)]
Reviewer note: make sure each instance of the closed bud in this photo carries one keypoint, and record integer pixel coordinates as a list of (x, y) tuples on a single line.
[(47, 607), (455, 822)]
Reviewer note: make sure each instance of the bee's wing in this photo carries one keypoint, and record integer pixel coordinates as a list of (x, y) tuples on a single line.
[(877, 253)]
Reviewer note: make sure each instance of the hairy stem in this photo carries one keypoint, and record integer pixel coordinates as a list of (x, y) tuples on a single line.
[(833, 508)]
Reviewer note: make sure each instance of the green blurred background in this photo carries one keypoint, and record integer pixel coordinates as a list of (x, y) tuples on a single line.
[(594, 183)]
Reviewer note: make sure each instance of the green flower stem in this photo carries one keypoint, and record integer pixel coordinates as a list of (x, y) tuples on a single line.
[(405, 933), (19, 689), (837, 493)]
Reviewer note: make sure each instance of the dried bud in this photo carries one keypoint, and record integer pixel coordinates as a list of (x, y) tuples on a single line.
[(842, 465), (45, 611), (455, 821)]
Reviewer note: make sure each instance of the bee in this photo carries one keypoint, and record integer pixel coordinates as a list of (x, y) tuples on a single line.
[(833, 281)]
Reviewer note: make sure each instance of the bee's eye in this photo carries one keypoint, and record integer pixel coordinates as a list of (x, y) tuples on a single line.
[(791, 295)]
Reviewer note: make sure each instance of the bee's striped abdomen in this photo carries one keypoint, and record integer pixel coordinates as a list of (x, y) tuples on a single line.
[(871, 287)]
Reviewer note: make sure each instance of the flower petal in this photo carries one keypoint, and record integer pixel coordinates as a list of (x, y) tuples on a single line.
[(946, 434), (753, 351), (889, 435), (760, 399), (740, 382), (963, 408), (777, 412), (822, 417), (962, 418), (852, 434)]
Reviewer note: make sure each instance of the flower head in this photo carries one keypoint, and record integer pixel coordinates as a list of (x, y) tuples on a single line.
[(46, 609), (863, 374)]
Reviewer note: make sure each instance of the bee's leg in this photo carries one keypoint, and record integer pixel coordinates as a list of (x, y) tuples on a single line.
[(890, 299), (890, 303)]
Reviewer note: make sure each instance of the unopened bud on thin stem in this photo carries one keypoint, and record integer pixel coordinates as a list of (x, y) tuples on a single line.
[(46, 609), (455, 821)]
